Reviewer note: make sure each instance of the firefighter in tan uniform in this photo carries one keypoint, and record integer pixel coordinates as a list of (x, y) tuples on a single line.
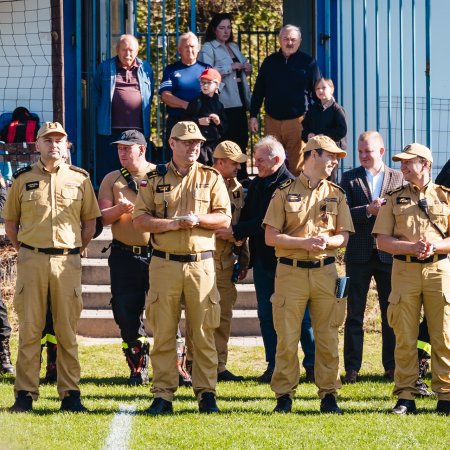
[(130, 253), (182, 204), (231, 259), (308, 219), (49, 217), (414, 226)]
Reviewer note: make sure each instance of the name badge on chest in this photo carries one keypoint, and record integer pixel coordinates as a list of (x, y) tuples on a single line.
[(32, 185), (163, 188)]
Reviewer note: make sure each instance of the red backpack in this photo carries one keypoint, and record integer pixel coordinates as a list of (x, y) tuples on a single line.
[(23, 127)]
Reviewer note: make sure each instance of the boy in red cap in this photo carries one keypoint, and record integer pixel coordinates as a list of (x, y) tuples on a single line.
[(208, 113)]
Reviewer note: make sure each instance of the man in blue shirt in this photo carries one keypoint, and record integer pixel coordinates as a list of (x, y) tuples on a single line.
[(180, 84), (124, 90)]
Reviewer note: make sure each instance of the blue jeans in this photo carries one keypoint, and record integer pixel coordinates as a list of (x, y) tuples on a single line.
[(265, 286)]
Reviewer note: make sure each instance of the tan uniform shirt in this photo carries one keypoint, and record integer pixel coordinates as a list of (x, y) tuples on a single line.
[(201, 191), (50, 206), (402, 218), (300, 211), (114, 183), (224, 255)]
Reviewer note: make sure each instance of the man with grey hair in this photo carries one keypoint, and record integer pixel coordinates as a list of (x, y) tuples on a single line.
[(272, 173), (124, 91), (285, 83), (180, 85)]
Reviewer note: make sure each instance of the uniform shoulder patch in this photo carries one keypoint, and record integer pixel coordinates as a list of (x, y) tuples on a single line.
[(444, 188), (80, 170), (286, 183), (337, 186), (395, 190), (21, 171), (209, 168), (152, 173)]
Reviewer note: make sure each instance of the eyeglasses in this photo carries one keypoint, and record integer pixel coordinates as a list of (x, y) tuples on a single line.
[(190, 142), (206, 83)]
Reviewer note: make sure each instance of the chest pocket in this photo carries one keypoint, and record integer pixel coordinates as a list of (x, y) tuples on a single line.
[(32, 196), (202, 198), (404, 216), (71, 195), (293, 207), (439, 215), (160, 199)]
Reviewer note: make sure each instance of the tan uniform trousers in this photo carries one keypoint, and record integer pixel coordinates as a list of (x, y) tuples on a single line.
[(228, 295), (289, 133), (196, 282), (415, 284), (38, 275), (294, 289)]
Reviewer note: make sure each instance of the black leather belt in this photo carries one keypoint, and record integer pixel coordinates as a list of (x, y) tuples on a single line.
[(136, 249), (183, 258), (307, 264), (53, 251), (413, 259)]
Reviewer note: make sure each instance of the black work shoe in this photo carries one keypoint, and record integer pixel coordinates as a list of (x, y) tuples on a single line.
[(72, 403), (309, 376), (284, 404), (226, 375), (138, 378), (208, 403), (403, 407), (329, 405), (423, 390), (23, 403), (5, 358), (266, 377), (159, 406), (443, 407), (351, 377)]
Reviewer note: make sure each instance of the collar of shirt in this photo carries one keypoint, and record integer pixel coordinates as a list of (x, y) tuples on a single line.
[(305, 181), (327, 104), (120, 66), (375, 182), (177, 172), (41, 166)]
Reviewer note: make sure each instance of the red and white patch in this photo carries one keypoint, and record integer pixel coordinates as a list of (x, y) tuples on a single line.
[(143, 183)]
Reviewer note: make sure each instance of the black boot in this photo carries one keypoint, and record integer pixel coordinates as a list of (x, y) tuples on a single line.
[(137, 358), (23, 403), (51, 373), (5, 358), (72, 403)]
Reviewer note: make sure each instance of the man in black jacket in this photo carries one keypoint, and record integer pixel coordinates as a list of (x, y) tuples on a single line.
[(285, 83), (272, 172)]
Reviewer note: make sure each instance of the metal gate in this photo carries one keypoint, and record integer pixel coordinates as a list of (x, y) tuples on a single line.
[(390, 59)]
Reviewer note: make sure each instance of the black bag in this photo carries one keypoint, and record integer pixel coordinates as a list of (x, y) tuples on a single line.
[(23, 127)]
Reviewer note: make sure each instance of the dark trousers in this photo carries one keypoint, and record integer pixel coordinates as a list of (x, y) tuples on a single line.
[(360, 276), (5, 328), (424, 337), (238, 132), (264, 280), (129, 286), (107, 158)]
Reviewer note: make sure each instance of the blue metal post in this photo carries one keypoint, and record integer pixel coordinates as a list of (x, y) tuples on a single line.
[(79, 100), (389, 79), (428, 70), (193, 17), (353, 82), (377, 60), (402, 100), (413, 43), (365, 64), (108, 30), (327, 30)]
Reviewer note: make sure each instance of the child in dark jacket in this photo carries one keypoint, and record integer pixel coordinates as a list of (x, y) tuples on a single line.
[(209, 114), (326, 116)]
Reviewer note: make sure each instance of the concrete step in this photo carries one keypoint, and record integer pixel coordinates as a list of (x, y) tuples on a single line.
[(99, 296), (96, 271), (100, 323)]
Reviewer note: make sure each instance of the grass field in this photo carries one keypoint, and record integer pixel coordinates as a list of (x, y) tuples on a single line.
[(246, 420)]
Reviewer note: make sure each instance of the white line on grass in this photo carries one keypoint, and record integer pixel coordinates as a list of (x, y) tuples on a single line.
[(120, 429)]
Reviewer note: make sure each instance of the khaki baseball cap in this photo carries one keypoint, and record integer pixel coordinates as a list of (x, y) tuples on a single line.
[(184, 131), (50, 127), (230, 150), (325, 143), (413, 150)]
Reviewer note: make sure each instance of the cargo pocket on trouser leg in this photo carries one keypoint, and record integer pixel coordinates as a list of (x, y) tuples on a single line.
[(78, 304), (338, 312), (393, 309), (278, 311), (18, 301), (150, 309), (212, 313)]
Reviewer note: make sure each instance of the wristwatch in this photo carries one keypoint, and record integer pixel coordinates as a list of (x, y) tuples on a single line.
[(433, 248)]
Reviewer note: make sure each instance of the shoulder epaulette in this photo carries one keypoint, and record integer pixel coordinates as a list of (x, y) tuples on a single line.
[(337, 186), (444, 188), (395, 190), (79, 169), (21, 171), (203, 166), (152, 173), (286, 183)]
